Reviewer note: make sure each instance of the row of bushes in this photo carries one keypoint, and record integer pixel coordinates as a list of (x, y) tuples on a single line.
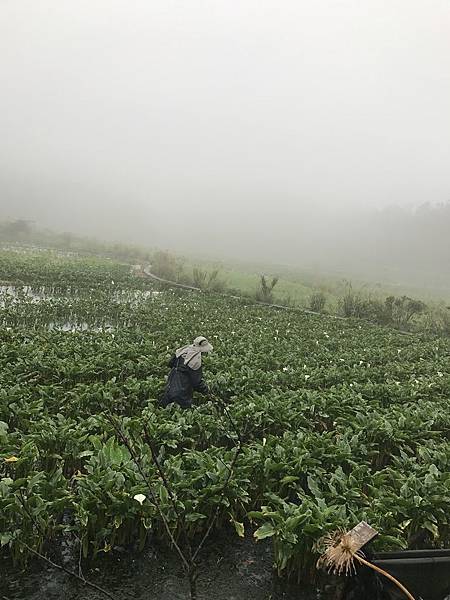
[(401, 312), (169, 267), (172, 268)]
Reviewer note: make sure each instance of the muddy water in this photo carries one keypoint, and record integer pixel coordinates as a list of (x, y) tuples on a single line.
[(230, 569)]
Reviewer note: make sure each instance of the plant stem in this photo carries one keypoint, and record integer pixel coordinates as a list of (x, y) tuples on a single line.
[(71, 573), (137, 462), (216, 512), (193, 582), (225, 410), (388, 575)]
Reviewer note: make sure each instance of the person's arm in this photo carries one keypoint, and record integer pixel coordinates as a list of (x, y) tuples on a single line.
[(198, 383), (172, 361)]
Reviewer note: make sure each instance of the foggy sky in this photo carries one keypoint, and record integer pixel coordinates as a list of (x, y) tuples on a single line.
[(196, 125)]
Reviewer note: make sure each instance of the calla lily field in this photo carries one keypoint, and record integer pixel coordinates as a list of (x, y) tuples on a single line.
[(337, 421)]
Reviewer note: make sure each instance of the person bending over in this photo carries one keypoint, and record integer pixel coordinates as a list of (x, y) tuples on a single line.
[(186, 375)]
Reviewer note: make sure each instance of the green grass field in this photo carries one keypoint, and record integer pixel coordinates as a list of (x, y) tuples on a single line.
[(298, 284)]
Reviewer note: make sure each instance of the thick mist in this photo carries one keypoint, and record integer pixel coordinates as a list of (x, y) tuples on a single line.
[(280, 132)]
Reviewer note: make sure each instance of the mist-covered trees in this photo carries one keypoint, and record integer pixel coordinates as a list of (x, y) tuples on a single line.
[(16, 230)]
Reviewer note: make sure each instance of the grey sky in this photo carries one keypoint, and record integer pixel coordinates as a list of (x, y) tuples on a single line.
[(219, 110)]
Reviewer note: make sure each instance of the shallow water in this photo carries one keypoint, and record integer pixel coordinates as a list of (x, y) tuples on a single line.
[(83, 326), (38, 294), (63, 311)]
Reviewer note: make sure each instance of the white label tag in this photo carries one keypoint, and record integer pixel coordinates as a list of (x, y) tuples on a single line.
[(362, 534)]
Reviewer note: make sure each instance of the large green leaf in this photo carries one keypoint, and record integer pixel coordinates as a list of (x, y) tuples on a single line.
[(265, 531)]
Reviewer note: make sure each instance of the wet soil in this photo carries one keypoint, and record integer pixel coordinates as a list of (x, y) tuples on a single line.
[(230, 569)]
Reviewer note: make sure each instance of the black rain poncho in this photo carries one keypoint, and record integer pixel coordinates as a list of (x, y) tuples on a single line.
[(182, 382)]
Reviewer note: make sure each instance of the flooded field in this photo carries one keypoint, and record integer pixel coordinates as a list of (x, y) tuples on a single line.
[(314, 425)]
